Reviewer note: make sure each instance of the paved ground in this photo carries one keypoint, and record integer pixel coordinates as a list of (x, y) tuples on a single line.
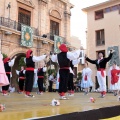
[(19, 107)]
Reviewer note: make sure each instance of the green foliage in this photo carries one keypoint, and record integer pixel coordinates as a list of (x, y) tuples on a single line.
[(4, 55), (79, 76), (21, 62), (50, 71)]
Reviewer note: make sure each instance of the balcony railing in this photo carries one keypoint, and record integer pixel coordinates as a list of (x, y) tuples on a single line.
[(51, 37), (15, 25)]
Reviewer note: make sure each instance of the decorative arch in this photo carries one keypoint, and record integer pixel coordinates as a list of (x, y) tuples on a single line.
[(17, 51), (55, 13)]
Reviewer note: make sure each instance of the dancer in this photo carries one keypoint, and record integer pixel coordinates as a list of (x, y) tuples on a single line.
[(86, 79), (21, 81), (71, 75), (63, 60), (101, 74), (30, 63), (3, 78), (51, 78), (8, 63), (114, 78), (40, 73)]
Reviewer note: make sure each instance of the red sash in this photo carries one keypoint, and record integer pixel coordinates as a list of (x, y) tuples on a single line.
[(30, 69), (40, 76), (66, 68), (102, 71), (22, 78), (8, 72), (85, 78)]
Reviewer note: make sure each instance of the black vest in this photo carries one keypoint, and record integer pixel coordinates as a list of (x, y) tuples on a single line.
[(63, 60), (71, 65), (40, 72), (7, 67), (29, 62), (21, 74)]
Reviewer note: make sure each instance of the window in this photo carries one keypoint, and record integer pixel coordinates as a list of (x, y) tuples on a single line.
[(107, 10), (113, 8), (24, 16), (100, 37), (54, 29), (99, 14)]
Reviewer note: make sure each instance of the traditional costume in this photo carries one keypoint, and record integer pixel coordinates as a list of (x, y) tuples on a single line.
[(3, 78), (114, 79), (101, 73), (7, 65), (40, 75), (86, 82), (71, 75), (63, 60), (21, 81), (30, 65)]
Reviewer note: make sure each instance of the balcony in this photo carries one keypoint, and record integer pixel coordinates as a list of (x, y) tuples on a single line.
[(15, 25)]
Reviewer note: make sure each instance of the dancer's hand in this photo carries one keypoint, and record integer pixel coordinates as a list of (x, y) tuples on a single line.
[(15, 57), (112, 51), (85, 56)]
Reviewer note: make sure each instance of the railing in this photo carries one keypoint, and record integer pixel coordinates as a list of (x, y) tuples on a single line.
[(51, 37), (15, 25)]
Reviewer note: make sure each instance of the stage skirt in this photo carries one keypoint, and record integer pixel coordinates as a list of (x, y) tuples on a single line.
[(115, 86), (86, 84)]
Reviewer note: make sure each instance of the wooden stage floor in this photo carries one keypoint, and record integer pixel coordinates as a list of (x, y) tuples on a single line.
[(19, 107)]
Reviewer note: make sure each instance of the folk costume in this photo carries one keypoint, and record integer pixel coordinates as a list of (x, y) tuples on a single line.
[(7, 65), (21, 81), (40, 75), (71, 75), (114, 79), (30, 65), (86, 82), (63, 59), (101, 73), (3, 78)]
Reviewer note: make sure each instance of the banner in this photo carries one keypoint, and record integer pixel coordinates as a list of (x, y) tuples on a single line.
[(57, 42), (26, 36), (115, 56)]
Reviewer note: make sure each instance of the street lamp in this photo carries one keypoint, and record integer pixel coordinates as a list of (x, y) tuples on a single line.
[(8, 7)]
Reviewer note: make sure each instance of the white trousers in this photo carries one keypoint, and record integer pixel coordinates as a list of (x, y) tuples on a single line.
[(101, 81)]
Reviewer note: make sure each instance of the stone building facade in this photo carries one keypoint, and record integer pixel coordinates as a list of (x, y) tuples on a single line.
[(50, 17)]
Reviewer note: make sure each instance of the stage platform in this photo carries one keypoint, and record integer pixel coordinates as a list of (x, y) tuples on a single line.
[(19, 107)]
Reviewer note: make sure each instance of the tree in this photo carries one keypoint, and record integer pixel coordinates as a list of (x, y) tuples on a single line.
[(79, 76), (4, 55), (21, 62)]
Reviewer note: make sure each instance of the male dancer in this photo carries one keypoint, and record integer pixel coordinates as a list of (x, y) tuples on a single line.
[(30, 65), (7, 64), (101, 74), (63, 60), (21, 82), (40, 73)]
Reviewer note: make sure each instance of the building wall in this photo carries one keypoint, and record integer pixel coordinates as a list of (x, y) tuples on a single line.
[(42, 11), (111, 24)]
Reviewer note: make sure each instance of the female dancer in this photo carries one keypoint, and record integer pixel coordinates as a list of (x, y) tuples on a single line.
[(86, 78)]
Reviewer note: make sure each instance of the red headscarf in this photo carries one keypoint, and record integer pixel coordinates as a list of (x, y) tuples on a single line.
[(63, 48), (6, 59), (28, 53)]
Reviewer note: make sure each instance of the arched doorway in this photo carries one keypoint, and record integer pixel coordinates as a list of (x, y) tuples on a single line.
[(14, 79)]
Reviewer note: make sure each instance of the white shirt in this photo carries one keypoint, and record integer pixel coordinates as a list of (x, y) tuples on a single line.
[(17, 72), (37, 58), (51, 77), (70, 55), (11, 62)]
